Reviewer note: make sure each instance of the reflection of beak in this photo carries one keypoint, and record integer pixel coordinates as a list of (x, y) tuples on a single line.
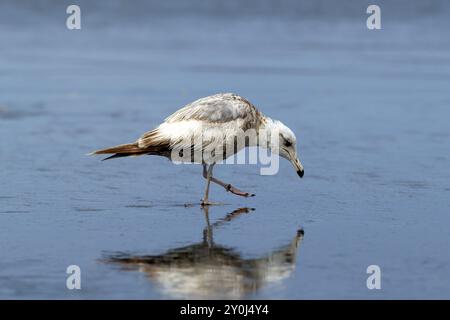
[(298, 167)]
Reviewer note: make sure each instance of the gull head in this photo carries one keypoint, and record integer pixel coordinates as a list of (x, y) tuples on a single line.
[(287, 147)]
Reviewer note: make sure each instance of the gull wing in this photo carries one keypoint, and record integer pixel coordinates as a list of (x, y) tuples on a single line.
[(204, 116), (222, 107)]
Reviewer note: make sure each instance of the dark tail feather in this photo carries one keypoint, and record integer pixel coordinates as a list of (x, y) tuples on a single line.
[(123, 150), (160, 148), (119, 155)]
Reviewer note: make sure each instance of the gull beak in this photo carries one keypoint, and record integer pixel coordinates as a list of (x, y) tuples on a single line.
[(298, 167)]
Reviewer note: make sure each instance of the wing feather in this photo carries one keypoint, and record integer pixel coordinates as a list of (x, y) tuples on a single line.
[(222, 107), (206, 117)]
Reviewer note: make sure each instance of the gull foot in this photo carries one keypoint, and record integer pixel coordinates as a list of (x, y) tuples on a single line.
[(238, 192)]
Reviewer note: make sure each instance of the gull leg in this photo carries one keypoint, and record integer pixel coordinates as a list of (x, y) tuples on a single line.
[(207, 173), (234, 190), (226, 186)]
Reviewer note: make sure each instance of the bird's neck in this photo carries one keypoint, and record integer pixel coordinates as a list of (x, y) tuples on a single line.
[(266, 128), (267, 123)]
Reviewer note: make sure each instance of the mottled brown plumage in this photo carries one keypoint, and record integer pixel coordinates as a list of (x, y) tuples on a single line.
[(210, 128)]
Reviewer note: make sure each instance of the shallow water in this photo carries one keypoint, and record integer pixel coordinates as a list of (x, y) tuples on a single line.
[(370, 110)]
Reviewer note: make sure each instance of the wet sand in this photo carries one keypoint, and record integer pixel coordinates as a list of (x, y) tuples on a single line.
[(370, 110)]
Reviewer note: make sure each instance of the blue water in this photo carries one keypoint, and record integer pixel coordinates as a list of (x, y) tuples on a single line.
[(371, 111)]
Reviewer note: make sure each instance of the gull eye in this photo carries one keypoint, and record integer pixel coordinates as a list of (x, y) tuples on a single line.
[(288, 143)]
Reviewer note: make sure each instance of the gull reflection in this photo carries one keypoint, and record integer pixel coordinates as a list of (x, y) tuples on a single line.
[(207, 270)]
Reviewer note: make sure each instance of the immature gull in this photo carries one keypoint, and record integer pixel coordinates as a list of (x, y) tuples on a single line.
[(197, 131)]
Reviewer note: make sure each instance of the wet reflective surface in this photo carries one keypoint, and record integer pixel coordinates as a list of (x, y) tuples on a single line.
[(370, 110), (207, 270)]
